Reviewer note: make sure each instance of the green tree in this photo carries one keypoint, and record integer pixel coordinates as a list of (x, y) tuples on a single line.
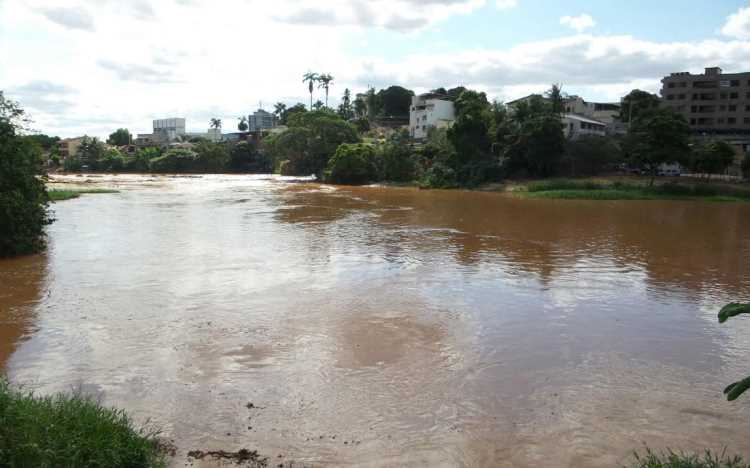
[(90, 152), (711, 157), (395, 101), (736, 389), (636, 104), (345, 108), (396, 161), (211, 157), (470, 136), (279, 110), (215, 123), (352, 164), (310, 78), (23, 196), (295, 109), (112, 160), (242, 124), (141, 162), (590, 155), (657, 137), (556, 99), (360, 108), (175, 160), (46, 142), (318, 106), (325, 81), (120, 137), (245, 157), (290, 151)]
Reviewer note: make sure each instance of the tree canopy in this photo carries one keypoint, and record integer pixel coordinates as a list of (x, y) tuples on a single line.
[(120, 137)]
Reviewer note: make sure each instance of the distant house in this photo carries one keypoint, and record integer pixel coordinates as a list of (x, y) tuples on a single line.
[(68, 147), (430, 111), (576, 126)]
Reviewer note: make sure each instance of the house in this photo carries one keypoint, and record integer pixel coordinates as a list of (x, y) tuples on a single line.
[(69, 147), (430, 111), (606, 112), (576, 126)]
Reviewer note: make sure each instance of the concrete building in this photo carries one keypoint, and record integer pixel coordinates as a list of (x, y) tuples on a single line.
[(714, 103), (261, 120), (576, 126), (606, 112), (430, 111), (171, 129), (68, 147)]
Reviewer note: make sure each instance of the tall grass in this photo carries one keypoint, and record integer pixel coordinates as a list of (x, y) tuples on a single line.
[(59, 194), (595, 190), (670, 459), (70, 431)]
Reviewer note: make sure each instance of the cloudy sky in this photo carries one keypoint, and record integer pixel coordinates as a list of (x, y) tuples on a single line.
[(91, 66)]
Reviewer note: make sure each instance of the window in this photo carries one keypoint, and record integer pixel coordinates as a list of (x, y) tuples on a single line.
[(722, 108), (733, 108), (747, 120), (681, 96), (670, 85), (747, 108), (734, 95), (735, 83), (693, 108), (696, 97), (720, 120), (670, 97), (731, 120), (683, 85), (692, 121), (723, 96)]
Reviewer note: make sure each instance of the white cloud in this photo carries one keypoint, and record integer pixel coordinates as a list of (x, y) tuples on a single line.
[(73, 18), (738, 24), (506, 4), (579, 23)]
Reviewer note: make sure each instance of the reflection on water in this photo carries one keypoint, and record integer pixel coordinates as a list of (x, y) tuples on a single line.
[(393, 326)]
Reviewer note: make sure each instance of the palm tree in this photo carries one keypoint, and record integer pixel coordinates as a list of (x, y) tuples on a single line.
[(242, 126), (310, 78), (318, 105), (326, 80), (278, 109), (215, 123)]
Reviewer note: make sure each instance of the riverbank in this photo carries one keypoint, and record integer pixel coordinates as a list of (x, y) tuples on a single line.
[(68, 194)]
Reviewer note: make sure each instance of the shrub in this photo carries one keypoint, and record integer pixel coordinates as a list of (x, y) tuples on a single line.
[(72, 164), (352, 164), (439, 175), (70, 431), (23, 196), (396, 162), (174, 160), (671, 459)]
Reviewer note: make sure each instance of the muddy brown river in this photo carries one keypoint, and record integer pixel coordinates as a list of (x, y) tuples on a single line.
[(378, 327)]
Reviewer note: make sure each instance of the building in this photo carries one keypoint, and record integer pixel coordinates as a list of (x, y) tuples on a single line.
[(68, 147), (261, 120), (430, 111), (714, 103), (170, 129), (607, 112), (576, 126)]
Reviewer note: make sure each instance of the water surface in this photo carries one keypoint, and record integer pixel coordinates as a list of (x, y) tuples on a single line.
[(382, 327)]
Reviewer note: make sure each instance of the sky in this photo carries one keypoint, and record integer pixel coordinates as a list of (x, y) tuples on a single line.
[(92, 66)]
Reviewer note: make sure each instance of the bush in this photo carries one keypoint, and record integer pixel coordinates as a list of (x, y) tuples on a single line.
[(590, 155), (440, 176), (174, 160), (72, 164), (396, 162), (70, 431), (112, 161), (670, 459), (352, 164), (23, 196)]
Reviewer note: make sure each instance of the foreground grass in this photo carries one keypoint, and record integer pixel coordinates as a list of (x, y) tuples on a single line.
[(598, 190), (670, 459), (59, 195), (70, 431)]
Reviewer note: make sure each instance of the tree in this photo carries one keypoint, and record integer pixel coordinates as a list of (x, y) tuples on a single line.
[(245, 157), (711, 157), (345, 108), (47, 142), (211, 157), (295, 109), (310, 78), (112, 160), (735, 390), (656, 137), (318, 105), (545, 145), (120, 137), (590, 155), (242, 124), (396, 162), (470, 137), (174, 160), (279, 110), (556, 99), (23, 196), (395, 101), (636, 104), (360, 108), (215, 123), (325, 80), (90, 152), (352, 164), (141, 161)]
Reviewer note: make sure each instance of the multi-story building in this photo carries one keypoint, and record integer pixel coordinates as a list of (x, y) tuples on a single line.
[(576, 126), (170, 129), (714, 103), (606, 112), (430, 111), (68, 147), (261, 120)]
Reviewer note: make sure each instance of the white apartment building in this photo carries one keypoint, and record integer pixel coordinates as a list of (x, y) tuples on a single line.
[(429, 111), (576, 126)]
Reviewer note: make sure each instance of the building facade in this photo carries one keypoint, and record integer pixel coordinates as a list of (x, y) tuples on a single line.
[(171, 129), (430, 111), (577, 126), (68, 147), (606, 112), (261, 120), (714, 103)]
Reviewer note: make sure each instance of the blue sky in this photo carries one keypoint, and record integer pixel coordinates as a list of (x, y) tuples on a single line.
[(91, 66)]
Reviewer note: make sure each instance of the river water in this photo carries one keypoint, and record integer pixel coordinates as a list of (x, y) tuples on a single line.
[(375, 326)]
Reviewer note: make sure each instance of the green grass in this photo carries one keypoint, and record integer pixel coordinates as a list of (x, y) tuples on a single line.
[(59, 195), (670, 459), (70, 431), (599, 190)]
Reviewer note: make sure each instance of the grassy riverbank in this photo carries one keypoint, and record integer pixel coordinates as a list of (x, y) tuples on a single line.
[(70, 431), (67, 194), (595, 189)]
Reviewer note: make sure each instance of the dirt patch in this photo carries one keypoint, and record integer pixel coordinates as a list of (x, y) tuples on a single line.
[(241, 457)]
